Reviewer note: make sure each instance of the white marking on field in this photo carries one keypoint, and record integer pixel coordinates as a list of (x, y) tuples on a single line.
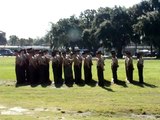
[(2, 107), (15, 111), (152, 117), (41, 109)]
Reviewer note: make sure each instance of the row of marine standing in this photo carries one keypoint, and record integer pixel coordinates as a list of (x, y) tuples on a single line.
[(130, 68), (64, 60), (32, 67)]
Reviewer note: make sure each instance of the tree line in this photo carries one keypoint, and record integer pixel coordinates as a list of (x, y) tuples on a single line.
[(109, 27)]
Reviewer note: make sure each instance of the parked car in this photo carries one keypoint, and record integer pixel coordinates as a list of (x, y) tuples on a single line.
[(6, 52), (148, 53)]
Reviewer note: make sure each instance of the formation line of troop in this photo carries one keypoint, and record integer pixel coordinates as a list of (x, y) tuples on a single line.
[(32, 67)]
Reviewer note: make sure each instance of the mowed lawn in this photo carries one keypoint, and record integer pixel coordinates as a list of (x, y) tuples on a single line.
[(121, 101)]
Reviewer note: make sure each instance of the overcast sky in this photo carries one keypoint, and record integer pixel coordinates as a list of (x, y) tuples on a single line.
[(31, 18)]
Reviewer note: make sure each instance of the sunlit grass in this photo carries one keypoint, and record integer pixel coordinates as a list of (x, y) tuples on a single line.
[(113, 102)]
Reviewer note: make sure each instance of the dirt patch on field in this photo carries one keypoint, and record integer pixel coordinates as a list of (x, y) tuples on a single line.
[(145, 117), (62, 114), (7, 83), (33, 111)]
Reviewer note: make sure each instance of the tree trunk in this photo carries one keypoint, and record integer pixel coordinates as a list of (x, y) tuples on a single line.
[(119, 52), (158, 54)]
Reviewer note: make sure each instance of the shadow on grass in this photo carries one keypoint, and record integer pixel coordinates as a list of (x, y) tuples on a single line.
[(143, 84), (122, 83), (150, 85), (107, 83), (106, 88), (21, 85)]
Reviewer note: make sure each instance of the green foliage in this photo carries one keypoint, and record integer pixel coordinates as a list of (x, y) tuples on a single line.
[(114, 27), (3, 40)]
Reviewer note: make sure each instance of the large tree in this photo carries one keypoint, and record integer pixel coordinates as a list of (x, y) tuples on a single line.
[(3, 40), (13, 40), (66, 32), (86, 18), (123, 30), (148, 26)]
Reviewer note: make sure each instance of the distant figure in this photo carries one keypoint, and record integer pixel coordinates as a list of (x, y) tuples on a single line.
[(87, 66), (77, 66), (100, 68), (68, 73), (33, 68), (19, 67), (42, 64), (114, 66), (140, 66), (60, 62), (55, 66), (129, 67), (89, 57), (47, 60)]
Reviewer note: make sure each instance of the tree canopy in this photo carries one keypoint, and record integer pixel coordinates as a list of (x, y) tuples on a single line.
[(108, 27)]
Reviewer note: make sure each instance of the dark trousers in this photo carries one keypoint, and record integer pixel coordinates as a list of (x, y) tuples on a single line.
[(100, 76), (59, 72), (68, 76), (55, 73), (114, 73), (90, 72), (130, 73), (140, 73), (77, 73), (20, 74), (47, 80), (86, 75), (27, 74), (33, 74), (42, 74)]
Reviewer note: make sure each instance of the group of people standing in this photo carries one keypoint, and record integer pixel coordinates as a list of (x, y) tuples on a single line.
[(129, 67), (32, 66)]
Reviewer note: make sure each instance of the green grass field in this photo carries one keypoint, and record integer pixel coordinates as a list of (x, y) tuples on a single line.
[(113, 102)]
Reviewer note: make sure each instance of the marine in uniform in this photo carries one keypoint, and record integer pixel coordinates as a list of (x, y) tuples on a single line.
[(36, 56), (68, 73), (33, 68), (55, 66), (114, 66), (80, 64), (47, 58), (89, 58), (27, 65), (100, 68), (19, 68), (87, 67), (129, 67), (140, 65), (77, 66), (59, 66), (41, 63)]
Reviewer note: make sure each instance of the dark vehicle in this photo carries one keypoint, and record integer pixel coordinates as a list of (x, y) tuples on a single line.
[(6, 52), (148, 53)]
